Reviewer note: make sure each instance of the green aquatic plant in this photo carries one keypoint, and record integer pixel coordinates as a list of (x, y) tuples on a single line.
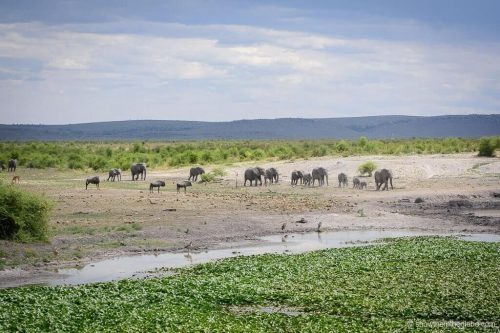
[(407, 285)]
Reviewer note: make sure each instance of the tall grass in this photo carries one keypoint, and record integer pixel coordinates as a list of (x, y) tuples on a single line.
[(107, 155)]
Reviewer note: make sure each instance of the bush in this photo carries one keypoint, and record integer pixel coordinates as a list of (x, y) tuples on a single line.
[(487, 147), (207, 177), (23, 216), (367, 167)]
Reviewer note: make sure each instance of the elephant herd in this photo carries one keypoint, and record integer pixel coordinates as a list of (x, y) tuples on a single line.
[(254, 175)]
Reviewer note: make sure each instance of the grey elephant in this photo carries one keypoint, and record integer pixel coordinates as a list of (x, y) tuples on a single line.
[(296, 176), (115, 173), (271, 174), (12, 165), (320, 174), (92, 180), (355, 182), (342, 179), (362, 185), (307, 179), (138, 169), (254, 174), (2, 166), (158, 184), (195, 172), (383, 176)]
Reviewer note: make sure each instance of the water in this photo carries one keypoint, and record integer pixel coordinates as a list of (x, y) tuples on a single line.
[(141, 265)]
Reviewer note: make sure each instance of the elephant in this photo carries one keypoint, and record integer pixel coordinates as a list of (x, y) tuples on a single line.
[(307, 179), (383, 176), (12, 165), (183, 185), (2, 166), (115, 173), (254, 174), (195, 172), (355, 182), (157, 184), (272, 175), (342, 179), (296, 175), (320, 174), (138, 169), (92, 180), (362, 185)]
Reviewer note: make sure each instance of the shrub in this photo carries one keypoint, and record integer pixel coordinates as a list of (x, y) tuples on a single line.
[(23, 216), (487, 147), (367, 167), (207, 177)]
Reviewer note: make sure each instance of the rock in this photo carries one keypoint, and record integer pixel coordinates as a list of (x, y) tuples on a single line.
[(495, 194), (419, 200), (302, 220)]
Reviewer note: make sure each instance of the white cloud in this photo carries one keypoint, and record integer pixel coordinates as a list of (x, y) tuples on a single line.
[(230, 72)]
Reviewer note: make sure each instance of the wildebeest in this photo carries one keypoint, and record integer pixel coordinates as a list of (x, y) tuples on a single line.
[(92, 180), (157, 184), (115, 173), (12, 165), (184, 184), (195, 172)]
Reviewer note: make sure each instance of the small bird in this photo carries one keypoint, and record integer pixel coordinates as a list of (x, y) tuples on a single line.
[(283, 226), (319, 227)]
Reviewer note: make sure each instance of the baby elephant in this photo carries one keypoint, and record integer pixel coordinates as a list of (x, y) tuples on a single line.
[(342, 179), (307, 179), (362, 185), (92, 180), (355, 182), (158, 184), (184, 184)]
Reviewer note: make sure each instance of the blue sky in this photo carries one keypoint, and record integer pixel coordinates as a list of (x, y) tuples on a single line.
[(73, 61)]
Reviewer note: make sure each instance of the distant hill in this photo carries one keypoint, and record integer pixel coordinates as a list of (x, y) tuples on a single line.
[(284, 128)]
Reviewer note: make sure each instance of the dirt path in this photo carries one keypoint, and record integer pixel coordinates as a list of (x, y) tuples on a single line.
[(124, 218)]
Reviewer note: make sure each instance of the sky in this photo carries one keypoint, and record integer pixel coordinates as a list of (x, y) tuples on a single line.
[(72, 61)]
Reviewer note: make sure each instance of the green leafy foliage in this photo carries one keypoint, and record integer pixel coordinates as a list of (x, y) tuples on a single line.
[(487, 146), (385, 288), (104, 156), (367, 168), (23, 216)]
